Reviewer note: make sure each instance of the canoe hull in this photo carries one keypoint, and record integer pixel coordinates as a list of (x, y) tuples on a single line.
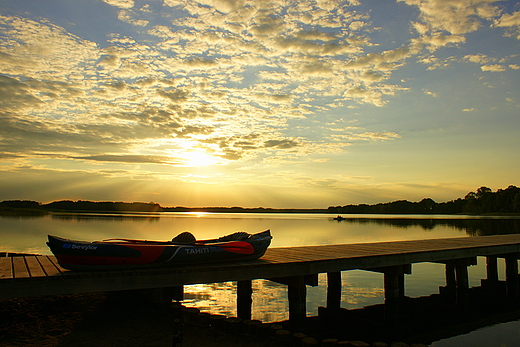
[(113, 255)]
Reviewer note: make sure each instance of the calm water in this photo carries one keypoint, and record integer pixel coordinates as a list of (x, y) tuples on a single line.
[(360, 288)]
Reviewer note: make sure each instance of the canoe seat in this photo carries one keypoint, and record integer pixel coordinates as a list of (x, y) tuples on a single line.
[(239, 235), (186, 238)]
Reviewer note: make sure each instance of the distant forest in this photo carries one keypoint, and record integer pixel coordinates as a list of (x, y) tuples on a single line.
[(483, 201)]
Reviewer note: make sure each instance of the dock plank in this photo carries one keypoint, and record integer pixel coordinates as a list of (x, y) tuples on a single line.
[(20, 269), (48, 266), (34, 267), (6, 268)]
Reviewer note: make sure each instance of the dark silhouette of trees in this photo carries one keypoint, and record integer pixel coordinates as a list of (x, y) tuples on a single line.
[(105, 206), (19, 204), (483, 201)]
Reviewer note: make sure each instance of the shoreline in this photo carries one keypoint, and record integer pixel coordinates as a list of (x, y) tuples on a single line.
[(104, 320)]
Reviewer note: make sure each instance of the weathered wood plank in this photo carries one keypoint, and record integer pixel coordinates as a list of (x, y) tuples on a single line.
[(48, 266), (34, 267), (6, 268), (20, 268)]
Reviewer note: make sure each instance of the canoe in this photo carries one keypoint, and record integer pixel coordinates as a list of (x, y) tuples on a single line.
[(115, 254)]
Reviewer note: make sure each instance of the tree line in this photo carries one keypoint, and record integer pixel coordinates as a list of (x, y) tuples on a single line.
[(482, 201)]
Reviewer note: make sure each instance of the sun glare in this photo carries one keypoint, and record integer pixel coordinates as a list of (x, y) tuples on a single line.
[(198, 158)]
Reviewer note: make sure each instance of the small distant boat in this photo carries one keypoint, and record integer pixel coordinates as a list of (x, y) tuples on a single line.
[(339, 218), (184, 249)]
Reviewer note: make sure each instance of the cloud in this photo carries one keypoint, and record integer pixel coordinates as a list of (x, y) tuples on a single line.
[(230, 78), (494, 68), (280, 144), (456, 17), (16, 95), (353, 134), (510, 21), (129, 16), (37, 49), (120, 3), (127, 158)]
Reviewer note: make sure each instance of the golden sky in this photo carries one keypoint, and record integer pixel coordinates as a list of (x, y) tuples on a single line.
[(258, 103)]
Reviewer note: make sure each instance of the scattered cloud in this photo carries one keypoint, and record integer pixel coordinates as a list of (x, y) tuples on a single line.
[(495, 67), (239, 82), (120, 3), (128, 158)]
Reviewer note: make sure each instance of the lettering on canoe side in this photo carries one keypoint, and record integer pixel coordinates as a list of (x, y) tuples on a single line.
[(82, 247), (197, 250)]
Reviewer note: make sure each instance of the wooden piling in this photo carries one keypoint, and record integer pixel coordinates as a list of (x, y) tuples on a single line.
[(217, 321), (309, 341), (244, 299), (334, 290), (392, 290), (329, 342), (284, 336), (461, 272), (512, 282), (233, 325), (492, 268), (297, 339), (297, 294), (451, 281), (251, 326)]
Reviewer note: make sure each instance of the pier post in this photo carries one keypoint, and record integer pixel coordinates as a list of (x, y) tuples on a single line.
[(462, 297), (392, 293), (492, 268), (512, 283), (244, 299), (334, 290), (297, 294), (457, 280), (451, 282)]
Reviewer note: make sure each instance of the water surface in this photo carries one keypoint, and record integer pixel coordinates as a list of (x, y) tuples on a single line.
[(360, 288)]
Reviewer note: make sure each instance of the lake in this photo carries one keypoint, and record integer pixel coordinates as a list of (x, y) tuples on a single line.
[(360, 288)]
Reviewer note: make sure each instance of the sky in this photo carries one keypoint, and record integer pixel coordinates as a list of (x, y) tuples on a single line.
[(285, 104)]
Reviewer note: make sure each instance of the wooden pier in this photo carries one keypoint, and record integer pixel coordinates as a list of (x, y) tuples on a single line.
[(30, 276)]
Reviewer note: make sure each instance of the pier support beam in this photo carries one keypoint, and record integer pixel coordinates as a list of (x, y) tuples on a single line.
[(457, 280), (244, 299), (297, 294), (334, 290), (451, 281), (392, 293), (462, 297), (394, 289), (492, 268), (512, 283)]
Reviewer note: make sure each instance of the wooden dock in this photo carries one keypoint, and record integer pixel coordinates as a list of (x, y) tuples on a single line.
[(30, 276)]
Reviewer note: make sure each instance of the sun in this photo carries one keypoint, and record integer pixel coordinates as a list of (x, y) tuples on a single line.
[(199, 158)]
